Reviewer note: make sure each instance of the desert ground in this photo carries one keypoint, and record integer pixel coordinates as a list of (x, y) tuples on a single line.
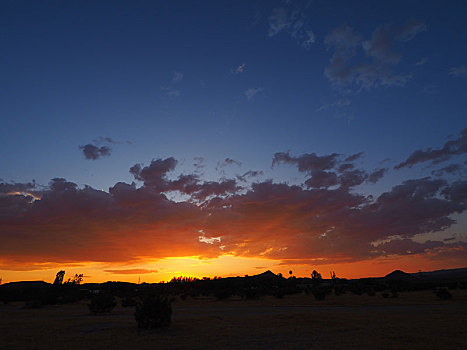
[(415, 320)]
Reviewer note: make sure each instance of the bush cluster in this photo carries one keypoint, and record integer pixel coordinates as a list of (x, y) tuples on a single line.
[(102, 303), (154, 312)]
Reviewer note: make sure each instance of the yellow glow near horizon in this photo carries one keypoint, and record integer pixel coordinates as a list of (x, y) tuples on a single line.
[(223, 266)]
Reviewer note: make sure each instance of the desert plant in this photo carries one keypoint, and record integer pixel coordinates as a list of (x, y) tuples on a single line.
[(128, 301), (153, 312), (318, 293), (59, 277), (443, 293), (102, 303)]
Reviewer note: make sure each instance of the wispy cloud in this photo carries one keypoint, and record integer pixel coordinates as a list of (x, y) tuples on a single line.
[(422, 61), (178, 77), (252, 92), (240, 68), (450, 148), (460, 71), (293, 20), (368, 63)]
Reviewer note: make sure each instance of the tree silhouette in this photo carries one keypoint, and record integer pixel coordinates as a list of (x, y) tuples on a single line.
[(77, 279), (316, 276), (59, 277)]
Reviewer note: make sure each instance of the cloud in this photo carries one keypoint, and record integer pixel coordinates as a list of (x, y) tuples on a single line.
[(457, 72), (293, 20), (422, 61), (240, 68), (226, 162), (93, 152), (250, 174), (131, 271), (171, 92), (252, 92), (376, 175), (178, 77), (329, 170), (323, 220), (368, 63), (99, 147), (451, 148), (450, 169)]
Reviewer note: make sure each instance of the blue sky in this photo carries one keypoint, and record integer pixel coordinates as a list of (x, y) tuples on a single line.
[(76, 71), (220, 79)]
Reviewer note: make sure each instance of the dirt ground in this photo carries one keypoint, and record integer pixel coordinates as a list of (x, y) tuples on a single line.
[(415, 320)]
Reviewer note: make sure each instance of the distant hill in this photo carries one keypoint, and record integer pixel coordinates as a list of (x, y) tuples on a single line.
[(266, 274), (443, 274), (399, 275)]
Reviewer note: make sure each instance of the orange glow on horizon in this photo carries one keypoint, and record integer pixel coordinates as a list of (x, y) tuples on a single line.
[(223, 266)]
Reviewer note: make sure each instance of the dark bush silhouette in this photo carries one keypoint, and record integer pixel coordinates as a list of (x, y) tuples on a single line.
[(319, 293), (443, 293), (102, 303), (59, 277), (128, 302), (153, 312), (76, 279)]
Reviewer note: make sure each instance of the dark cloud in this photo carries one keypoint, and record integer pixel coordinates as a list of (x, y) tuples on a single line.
[(376, 175), (99, 147), (354, 157), (154, 175), (324, 169), (93, 152), (368, 63), (450, 169), (322, 220), (250, 174), (307, 162), (451, 148)]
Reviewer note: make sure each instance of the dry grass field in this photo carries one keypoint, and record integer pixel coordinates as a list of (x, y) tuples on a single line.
[(415, 320)]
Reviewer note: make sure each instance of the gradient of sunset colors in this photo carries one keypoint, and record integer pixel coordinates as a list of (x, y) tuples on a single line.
[(145, 140)]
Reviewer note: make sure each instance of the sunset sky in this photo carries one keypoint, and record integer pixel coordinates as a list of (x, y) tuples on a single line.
[(152, 139)]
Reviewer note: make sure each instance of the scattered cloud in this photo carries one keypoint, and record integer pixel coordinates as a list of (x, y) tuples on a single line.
[(368, 63), (451, 148), (171, 92), (226, 162), (324, 219), (240, 68), (252, 92), (100, 147), (93, 152), (178, 77), (422, 61), (293, 20), (250, 174), (457, 72)]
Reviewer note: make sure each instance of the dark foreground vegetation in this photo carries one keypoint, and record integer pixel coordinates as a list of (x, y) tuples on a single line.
[(262, 311)]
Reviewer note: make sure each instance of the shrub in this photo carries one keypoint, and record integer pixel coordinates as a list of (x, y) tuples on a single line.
[(319, 293), (153, 312), (102, 303), (443, 293), (128, 301)]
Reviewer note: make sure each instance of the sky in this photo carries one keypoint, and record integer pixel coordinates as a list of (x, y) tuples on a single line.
[(143, 140)]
